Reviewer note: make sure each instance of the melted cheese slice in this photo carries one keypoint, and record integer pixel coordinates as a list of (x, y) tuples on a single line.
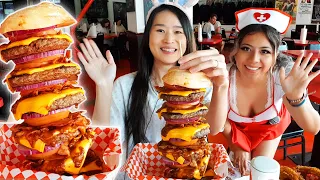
[(28, 41), (40, 103), (204, 162), (182, 111), (25, 142), (182, 93), (69, 164), (196, 174), (180, 159), (169, 156), (45, 68), (90, 167), (38, 145), (185, 133)]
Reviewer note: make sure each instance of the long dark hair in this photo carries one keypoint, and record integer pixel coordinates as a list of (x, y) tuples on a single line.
[(103, 23), (135, 120), (272, 35)]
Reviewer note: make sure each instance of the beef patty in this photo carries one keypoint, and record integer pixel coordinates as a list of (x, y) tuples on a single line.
[(61, 103), (65, 72), (37, 46), (169, 115), (191, 97)]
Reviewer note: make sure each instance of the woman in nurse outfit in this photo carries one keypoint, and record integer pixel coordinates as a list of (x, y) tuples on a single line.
[(266, 87)]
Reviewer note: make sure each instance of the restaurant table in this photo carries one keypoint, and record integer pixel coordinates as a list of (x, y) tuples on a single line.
[(215, 40), (110, 36), (314, 42), (296, 53), (298, 42), (314, 89)]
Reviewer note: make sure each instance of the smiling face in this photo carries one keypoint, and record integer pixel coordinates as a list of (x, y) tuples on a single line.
[(119, 22), (213, 20), (107, 24), (255, 56), (165, 34)]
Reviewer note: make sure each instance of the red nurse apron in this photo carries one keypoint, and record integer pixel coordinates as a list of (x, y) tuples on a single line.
[(249, 132)]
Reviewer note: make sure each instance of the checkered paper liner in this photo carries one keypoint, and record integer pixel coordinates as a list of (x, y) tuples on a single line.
[(144, 162), (106, 141)]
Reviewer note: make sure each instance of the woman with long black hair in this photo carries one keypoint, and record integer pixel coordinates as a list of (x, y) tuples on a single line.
[(133, 99)]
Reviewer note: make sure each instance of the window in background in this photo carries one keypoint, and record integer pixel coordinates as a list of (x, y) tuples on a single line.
[(8, 8), (98, 9), (1, 12), (316, 11)]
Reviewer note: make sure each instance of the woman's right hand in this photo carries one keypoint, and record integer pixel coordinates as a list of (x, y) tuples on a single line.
[(100, 70), (241, 159)]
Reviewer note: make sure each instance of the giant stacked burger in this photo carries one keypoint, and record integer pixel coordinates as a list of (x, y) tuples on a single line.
[(184, 148), (52, 137)]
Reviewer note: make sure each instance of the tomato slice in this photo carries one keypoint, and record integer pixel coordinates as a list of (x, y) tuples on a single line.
[(24, 34), (178, 88), (182, 105)]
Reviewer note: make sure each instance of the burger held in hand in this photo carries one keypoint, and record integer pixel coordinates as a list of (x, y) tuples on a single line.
[(184, 147), (52, 138)]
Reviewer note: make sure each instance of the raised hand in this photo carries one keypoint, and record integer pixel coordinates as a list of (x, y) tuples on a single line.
[(100, 70), (295, 84), (210, 62)]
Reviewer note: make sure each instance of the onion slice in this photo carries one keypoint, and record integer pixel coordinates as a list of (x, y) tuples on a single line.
[(170, 163), (195, 102), (36, 115), (37, 56), (182, 121), (28, 152), (39, 85)]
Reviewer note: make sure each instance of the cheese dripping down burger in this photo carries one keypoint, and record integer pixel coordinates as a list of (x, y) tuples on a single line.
[(184, 146)]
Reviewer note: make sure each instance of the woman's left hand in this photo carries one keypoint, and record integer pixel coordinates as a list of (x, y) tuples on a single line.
[(208, 61), (295, 84)]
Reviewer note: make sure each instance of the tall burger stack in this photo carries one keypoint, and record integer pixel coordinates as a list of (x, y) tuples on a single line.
[(184, 147), (52, 138)]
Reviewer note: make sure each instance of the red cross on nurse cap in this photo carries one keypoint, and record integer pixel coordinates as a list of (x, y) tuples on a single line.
[(268, 16)]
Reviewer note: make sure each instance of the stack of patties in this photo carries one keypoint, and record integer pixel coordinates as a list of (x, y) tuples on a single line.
[(184, 146), (52, 137)]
